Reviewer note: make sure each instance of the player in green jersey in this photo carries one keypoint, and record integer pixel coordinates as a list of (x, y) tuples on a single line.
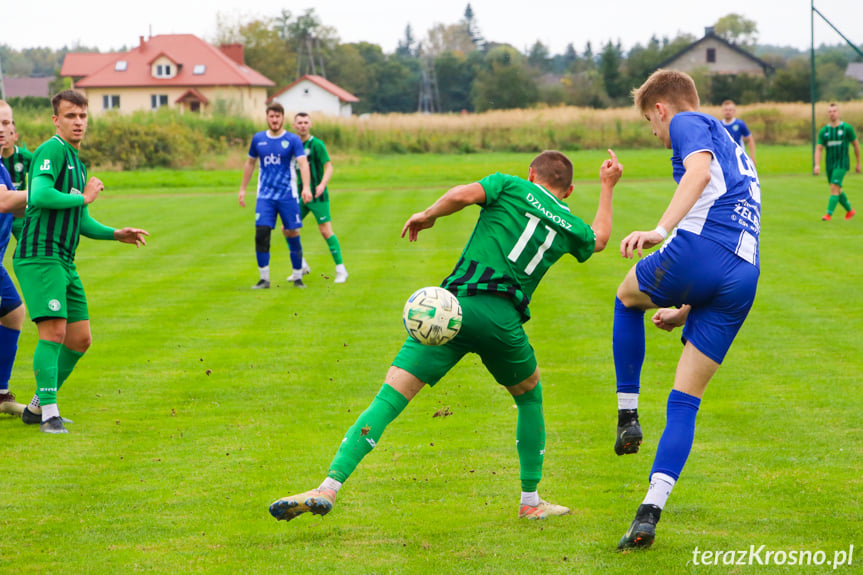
[(523, 228), (17, 160), (321, 168), (836, 136), (56, 216)]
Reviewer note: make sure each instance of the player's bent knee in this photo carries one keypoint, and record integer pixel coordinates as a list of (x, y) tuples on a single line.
[(262, 239)]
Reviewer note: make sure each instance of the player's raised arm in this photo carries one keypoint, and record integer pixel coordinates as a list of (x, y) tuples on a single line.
[(691, 185), (452, 201), (609, 174)]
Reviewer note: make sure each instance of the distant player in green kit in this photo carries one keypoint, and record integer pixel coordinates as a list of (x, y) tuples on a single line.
[(524, 227), (836, 136), (44, 261), (321, 168)]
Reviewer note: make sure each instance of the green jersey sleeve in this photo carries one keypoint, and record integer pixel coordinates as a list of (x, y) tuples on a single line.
[(850, 134), (822, 136)]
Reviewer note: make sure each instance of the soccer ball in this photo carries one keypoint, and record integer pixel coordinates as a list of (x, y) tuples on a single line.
[(432, 316)]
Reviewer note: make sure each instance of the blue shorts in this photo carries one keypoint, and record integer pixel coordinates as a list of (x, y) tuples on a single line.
[(9, 298), (719, 286), (288, 209)]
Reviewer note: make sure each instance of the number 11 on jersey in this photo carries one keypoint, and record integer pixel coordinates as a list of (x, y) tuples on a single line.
[(518, 248)]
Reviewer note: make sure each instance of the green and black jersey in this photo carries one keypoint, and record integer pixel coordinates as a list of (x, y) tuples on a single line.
[(836, 139), (56, 214), (318, 157), (522, 230), (18, 164)]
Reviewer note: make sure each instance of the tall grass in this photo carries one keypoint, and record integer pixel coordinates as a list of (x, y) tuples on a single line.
[(170, 139)]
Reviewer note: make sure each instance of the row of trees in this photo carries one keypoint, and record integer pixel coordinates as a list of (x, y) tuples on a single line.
[(453, 68)]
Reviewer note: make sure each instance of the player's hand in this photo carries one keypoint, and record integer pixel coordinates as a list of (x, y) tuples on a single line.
[(321, 188), (306, 195), (636, 241), (857, 169), (92, 189), (611, 169), (668, 318), (131, 236), (816, 170), (418, 221), (242, 198)]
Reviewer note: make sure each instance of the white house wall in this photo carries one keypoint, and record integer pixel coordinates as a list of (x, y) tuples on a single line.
[(309, 97)]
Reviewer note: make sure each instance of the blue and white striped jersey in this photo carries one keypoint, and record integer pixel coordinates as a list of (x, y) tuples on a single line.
[(278, 156)]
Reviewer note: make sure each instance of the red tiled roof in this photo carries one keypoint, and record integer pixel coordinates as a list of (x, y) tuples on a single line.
[(79, 64), (321, 82), (185, 50), (23, 87)]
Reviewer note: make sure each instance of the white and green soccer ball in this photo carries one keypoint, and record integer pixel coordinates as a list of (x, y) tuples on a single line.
[(432, 316)]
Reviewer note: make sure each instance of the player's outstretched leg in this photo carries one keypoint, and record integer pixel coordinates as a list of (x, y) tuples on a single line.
[(316, 501), (629, 349)]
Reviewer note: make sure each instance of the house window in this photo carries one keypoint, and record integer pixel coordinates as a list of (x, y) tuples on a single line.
[(158, 100), (199, 69), (110, 102), (121, 65), (711, 55), (163, 71)]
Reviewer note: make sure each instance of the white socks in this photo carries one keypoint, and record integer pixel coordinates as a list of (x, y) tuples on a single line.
[(627, 400), (49, 411), (330, 483), (530, 498), (265, 273), (659, 490)]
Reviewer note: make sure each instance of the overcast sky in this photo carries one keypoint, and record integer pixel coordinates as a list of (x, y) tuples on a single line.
[(111, 24)]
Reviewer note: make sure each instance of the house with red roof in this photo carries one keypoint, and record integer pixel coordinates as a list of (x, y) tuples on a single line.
[(313, 93), (170, 70)]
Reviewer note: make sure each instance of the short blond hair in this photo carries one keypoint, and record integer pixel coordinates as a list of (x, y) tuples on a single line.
[(671, 86)]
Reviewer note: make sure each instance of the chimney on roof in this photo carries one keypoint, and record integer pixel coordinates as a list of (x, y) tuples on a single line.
[(235, 52), (141, 39), (709, 31)]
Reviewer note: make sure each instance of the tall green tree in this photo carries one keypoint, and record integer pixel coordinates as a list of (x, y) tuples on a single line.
[(505, 81), (737, 29)]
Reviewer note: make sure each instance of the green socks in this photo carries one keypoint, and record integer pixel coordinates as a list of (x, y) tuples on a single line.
[(831, 204), (363, 436), (66, 363), (530, 437), (335, 249), (45, 368), (843, 199)]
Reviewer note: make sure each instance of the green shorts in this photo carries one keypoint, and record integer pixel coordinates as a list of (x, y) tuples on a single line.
[(51, 289), (492, 328), (320, 209), (836, 175)]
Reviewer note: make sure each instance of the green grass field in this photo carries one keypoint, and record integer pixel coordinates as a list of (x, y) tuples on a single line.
[(202, 401)]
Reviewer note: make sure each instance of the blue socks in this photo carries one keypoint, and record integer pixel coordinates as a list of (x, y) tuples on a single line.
[(296, 247), (8, 349), (676, 442), (628, 346), (263, 259)]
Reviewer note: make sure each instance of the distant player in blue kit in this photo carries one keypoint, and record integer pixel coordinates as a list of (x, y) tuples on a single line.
[(11, 307), (737, 128), (707, 269), (281, 153)]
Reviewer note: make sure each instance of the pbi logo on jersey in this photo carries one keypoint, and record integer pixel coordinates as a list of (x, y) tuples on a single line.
[(46, 165), (285, 144), (54, 305), (272, 160), (75, 192)]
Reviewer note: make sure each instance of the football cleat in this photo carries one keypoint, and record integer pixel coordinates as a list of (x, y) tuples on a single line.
[(542, 511), (317, 501), (9, 405), (262, 284), (826, 218), (298, 283), (341, 277), (29, 417), (53, 425), (642, 530), (629, 434), (306, 268), (850, 214)]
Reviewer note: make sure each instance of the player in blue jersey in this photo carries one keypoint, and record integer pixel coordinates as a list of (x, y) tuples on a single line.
[(281, 153), (11, 307), (703, 278), (737, 128)]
